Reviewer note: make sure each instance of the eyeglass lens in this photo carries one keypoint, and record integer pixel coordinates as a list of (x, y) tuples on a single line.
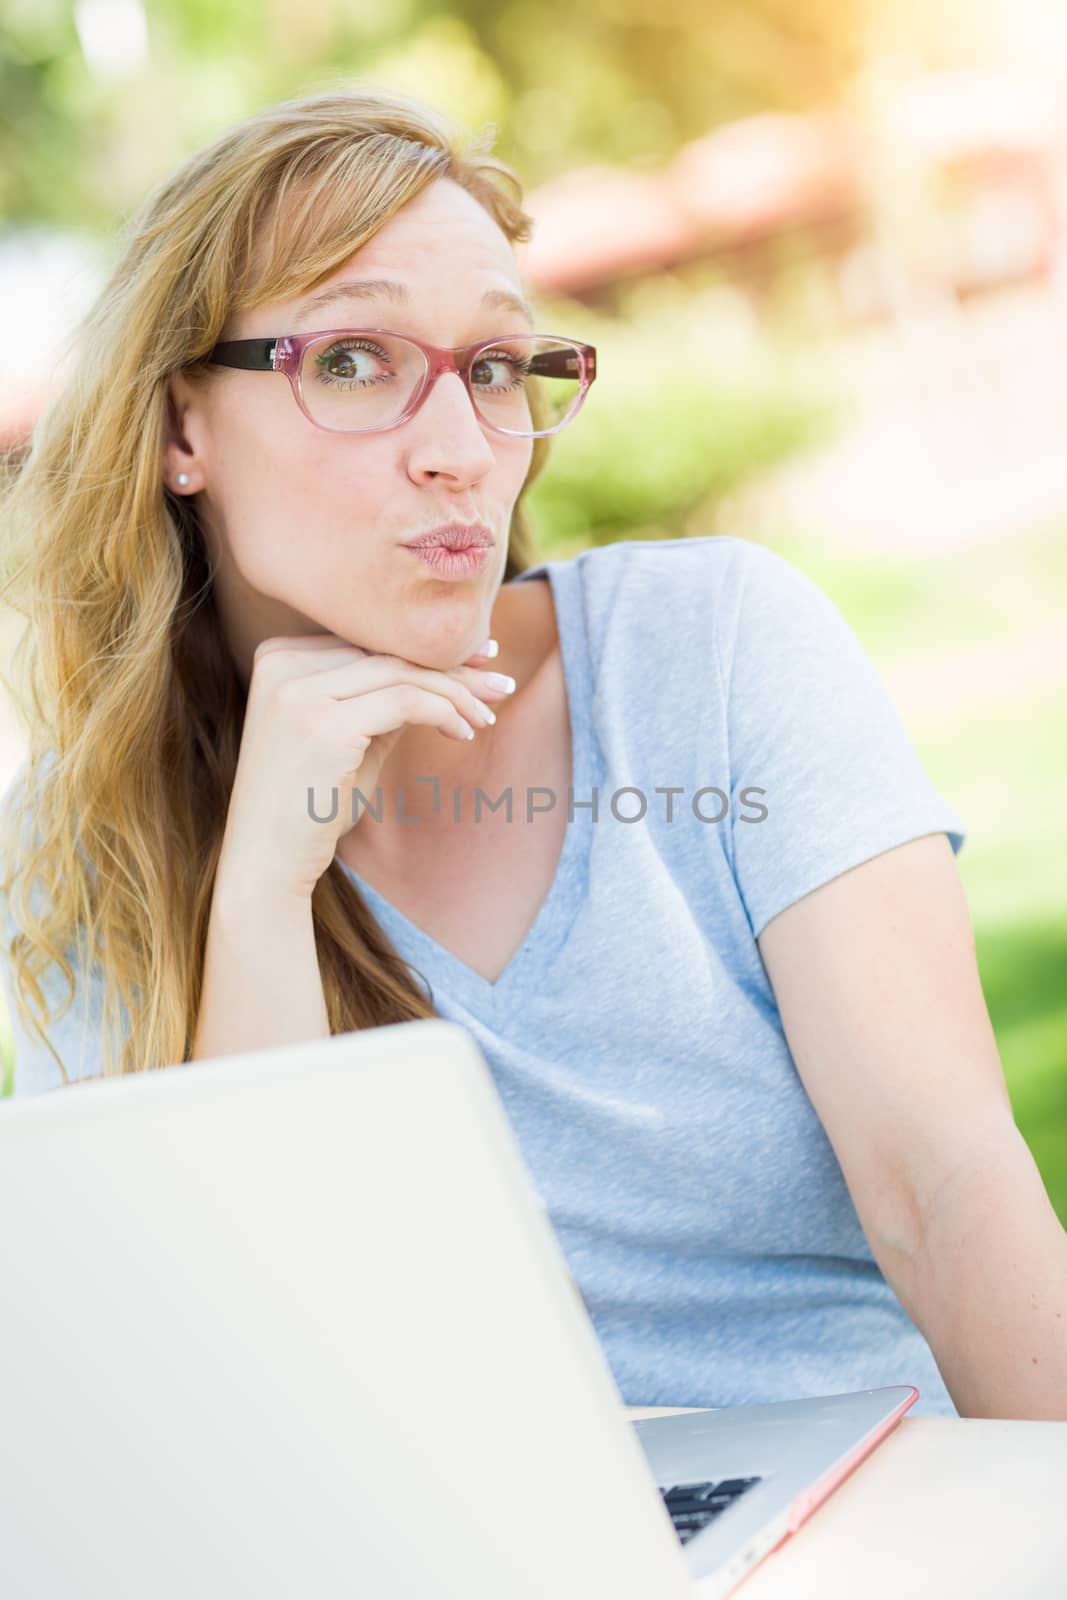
[(526, 385)]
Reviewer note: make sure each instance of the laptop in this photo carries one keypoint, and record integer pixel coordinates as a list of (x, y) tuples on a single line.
[(295, 1322)]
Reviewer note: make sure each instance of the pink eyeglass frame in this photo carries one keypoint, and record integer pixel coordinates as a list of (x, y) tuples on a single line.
[(285, 353)]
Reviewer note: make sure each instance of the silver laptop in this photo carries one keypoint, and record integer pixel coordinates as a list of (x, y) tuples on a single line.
[(295, 1323)]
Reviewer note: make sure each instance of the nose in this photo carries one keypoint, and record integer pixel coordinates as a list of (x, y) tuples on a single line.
[(446, 435)]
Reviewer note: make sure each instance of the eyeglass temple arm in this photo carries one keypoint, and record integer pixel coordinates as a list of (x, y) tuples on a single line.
[(253, 355), (562, 364)]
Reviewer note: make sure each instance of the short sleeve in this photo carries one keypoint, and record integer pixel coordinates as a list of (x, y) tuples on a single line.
[(76, 1036), (823, 773)]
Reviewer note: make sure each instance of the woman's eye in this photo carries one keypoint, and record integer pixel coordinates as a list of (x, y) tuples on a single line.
[(496, 370), (344, 363)]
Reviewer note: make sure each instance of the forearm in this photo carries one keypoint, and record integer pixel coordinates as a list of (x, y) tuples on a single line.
[(262, 985), (988, 1287)]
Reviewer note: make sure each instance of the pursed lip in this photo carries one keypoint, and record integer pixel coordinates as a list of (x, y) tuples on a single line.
[(456, 535)]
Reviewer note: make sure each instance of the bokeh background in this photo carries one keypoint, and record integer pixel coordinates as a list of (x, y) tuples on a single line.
[(821, 246)]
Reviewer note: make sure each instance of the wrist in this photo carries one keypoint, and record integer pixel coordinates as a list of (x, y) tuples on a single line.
[(243, 891)]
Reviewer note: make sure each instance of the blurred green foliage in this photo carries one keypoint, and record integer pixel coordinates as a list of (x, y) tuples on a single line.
[(563, 81), (680, 414)]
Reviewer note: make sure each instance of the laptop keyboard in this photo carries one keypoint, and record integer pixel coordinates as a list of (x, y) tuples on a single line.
[(693, 1505)]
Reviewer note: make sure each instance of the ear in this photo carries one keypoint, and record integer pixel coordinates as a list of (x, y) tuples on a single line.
[(182, 467)]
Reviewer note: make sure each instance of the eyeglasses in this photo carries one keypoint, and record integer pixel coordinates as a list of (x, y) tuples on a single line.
[(366, 380)]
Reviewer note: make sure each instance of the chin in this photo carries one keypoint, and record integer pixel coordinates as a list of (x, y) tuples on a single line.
[(442, 659)]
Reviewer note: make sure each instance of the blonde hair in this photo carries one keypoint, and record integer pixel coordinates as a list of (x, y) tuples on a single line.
[(133, 705)]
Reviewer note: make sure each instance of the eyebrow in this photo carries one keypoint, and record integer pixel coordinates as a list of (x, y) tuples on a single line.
[(400, 294)]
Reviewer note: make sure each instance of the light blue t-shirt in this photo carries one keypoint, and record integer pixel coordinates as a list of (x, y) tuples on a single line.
[(634, 1037)]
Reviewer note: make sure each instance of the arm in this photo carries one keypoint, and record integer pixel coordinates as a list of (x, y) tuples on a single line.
[(882, 1006), (262, 985)]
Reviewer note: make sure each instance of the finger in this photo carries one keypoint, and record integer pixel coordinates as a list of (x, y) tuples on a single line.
[(477, 680), (400, 704), (488, 651), (360, 678)]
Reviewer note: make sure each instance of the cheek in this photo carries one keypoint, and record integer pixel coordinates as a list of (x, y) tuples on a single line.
[(513, 463), (257, 441), (293, 504)]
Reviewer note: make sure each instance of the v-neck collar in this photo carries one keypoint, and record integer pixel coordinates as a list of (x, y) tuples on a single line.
[(558, 908)]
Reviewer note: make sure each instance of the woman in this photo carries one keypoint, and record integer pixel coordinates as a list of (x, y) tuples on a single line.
[(716, 953)]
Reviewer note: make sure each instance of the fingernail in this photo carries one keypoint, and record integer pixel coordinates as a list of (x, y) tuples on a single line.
[(499, 680), (489, 648)]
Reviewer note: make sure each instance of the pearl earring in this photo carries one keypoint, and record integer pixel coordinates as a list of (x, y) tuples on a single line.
[(183, 479)]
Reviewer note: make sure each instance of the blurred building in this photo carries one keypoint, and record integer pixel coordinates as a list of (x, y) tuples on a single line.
[(732, 197), (953, 184)]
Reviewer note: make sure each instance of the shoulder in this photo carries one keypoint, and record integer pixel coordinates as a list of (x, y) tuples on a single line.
[(627, 562), (697, 592), (704, 578), (656, 585)]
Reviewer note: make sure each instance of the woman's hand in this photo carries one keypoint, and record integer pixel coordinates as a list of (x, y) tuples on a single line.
[(323, 714)]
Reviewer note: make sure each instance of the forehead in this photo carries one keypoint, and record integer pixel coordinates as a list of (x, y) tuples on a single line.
[(442, 242), (443, 217), (441, 266), (347, 290)]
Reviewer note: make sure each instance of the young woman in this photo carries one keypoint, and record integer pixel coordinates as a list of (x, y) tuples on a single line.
[(682, 877)]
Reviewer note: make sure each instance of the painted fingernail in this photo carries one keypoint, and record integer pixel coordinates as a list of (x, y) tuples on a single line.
[(499, 680), (489, 648)]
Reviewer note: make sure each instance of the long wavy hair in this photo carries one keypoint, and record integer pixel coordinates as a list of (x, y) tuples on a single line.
[(132, 703)]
